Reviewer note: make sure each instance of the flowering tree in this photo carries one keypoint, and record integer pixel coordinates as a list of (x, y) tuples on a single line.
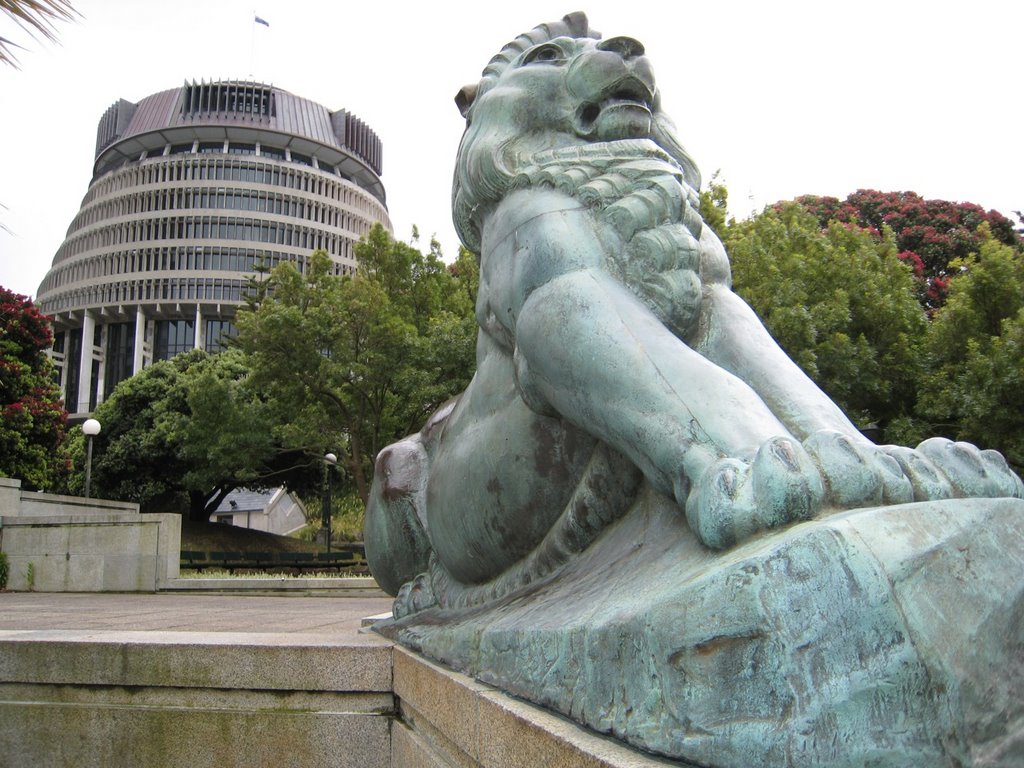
[(929, 234), (32, 415)]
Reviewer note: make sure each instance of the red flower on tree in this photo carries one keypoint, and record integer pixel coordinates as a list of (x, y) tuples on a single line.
[(32, 416), (929, 233)]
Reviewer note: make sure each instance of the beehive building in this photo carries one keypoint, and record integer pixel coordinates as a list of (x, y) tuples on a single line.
[(191, 188)]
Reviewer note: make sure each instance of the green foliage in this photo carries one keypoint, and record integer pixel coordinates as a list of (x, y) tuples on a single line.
[(974, 389), (346, 519), (840, 302), (32, 416), (714, 205), (835, 283), (5, 570), (353, 362), (184, 433)]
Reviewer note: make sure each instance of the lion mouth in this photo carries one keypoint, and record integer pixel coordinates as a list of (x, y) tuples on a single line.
[(622, 113)]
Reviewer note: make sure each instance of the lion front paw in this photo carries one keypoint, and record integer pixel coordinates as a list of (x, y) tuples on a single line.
[(857, 473), (733, 499), (942, 469)]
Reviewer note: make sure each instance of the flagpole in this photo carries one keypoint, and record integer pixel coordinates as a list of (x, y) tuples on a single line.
[(252, 40)]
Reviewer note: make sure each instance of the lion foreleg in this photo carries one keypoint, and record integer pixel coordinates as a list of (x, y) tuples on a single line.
[(587, 349), (733, 337)]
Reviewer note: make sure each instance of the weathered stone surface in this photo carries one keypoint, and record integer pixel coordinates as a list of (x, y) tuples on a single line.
[(163, 699), (225, 660), (448, 719), (890, 636), (160, 728)]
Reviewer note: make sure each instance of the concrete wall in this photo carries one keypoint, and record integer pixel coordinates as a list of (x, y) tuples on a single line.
[(70, 544), (161, 699), (447, 719), (14, 501)]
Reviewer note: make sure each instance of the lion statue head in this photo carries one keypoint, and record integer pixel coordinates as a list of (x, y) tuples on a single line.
[(558, 86)]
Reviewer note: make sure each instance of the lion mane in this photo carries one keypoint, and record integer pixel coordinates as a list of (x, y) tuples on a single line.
[(646, 189)]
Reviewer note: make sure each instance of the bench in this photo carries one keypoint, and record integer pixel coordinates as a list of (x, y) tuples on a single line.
[(267, 561)]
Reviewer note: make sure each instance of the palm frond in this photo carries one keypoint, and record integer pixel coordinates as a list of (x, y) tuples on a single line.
[(37, 18)]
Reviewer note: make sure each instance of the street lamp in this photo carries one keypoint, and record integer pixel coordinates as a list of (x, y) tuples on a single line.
[(90, 429), (325, 511)]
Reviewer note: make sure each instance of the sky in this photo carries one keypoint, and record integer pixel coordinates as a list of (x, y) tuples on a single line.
[(782, 99)]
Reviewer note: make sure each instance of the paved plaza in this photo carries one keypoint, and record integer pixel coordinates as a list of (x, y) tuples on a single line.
[(334, 617)]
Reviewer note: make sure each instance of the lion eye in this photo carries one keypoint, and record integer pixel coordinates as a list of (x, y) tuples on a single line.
[(544, 54)]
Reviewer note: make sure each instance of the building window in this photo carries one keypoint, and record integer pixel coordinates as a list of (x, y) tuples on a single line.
[(94, 386), (73, 362), (120, 356), (218, 334), (173, 337), (240, 98)]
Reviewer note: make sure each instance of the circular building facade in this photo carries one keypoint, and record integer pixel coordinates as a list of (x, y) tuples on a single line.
[(192, 188)]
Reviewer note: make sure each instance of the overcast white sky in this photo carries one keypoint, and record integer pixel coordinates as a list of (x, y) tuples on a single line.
[(786, 98)]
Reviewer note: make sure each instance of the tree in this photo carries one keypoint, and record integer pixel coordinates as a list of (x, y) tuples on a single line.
[(357, 361), (840, 302), (36, 17), (185, 432), (826, 278), (929, 234), (32, 416), (714, 205), (974, 387)]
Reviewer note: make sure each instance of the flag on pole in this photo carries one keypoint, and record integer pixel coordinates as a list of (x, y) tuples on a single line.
[(264, 22)]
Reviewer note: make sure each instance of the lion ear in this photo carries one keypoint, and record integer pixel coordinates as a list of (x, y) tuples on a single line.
[(464, 98)]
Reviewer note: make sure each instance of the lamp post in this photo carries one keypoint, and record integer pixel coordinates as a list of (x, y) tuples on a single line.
[(90, 429), (325, 511)]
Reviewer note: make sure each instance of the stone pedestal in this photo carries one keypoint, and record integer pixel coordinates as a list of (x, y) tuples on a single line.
[(889, 636)]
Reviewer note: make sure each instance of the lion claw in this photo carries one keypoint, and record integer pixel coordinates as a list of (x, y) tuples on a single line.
[(856, 473), (733, 499), (414, 596), (971, 472)]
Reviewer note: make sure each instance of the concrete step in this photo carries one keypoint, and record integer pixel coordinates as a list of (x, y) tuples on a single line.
[(155, 699), (214, 681), (350, 586)]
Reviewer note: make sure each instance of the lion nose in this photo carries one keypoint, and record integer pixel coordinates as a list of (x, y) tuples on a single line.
[(626, 47)]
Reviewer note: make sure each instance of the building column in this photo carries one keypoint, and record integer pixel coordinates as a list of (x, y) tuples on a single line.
[(140, 341), (85, 366), (101, 375), (200, 334)]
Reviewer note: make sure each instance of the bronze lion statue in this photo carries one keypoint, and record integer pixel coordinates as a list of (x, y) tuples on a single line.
[(612, 354)]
